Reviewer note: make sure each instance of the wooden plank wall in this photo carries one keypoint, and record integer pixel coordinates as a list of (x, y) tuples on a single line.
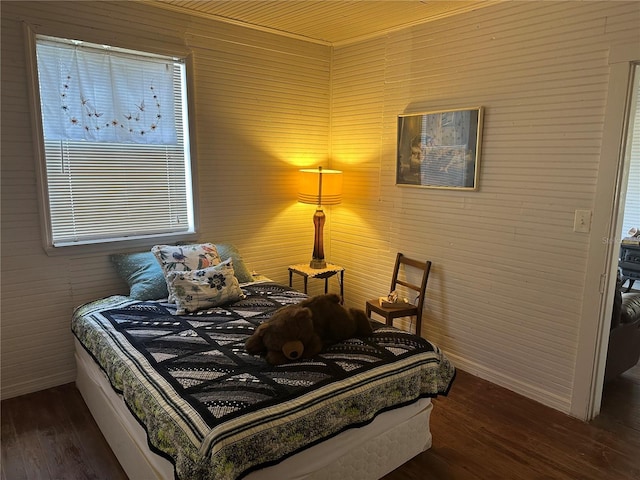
[(509, 272), (506, 289), (262, 112)]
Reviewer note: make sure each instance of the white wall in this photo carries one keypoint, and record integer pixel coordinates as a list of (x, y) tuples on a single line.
[(262, 112), (507, 286)]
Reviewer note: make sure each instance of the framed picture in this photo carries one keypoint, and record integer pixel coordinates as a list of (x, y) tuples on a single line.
[(440, 149)]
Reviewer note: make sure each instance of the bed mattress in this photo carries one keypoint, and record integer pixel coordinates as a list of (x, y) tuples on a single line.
[(365, 453), (217, 412)]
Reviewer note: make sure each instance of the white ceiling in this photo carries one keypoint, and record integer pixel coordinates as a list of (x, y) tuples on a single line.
[(325, 21)]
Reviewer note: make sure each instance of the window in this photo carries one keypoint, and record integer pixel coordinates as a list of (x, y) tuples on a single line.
[(632, 203), (116, 144)]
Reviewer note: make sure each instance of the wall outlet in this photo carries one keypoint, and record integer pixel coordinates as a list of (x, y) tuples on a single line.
[(582, 221)]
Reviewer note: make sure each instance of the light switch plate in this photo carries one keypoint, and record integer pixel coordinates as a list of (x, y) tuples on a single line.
[(582, 221)]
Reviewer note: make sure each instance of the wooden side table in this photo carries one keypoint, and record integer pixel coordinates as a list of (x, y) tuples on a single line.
[(307, 272)]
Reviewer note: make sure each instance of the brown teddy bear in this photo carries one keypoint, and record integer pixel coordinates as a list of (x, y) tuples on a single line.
[(303, 330)]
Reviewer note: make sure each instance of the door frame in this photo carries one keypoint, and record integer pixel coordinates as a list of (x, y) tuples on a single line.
[(604, 241)]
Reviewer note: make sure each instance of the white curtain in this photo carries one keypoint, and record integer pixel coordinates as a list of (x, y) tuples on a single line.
[(105, 96)]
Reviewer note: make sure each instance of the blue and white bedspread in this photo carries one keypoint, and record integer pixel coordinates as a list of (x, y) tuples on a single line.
[(217, 412)]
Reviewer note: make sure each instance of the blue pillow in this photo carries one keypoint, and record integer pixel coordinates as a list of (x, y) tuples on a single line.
[(228, 250), (142, 273)]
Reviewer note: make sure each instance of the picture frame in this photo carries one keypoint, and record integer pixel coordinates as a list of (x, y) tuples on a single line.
[(440, 149)]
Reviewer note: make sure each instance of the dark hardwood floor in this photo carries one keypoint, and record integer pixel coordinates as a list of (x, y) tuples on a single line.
[(52, 435), (480, 431)]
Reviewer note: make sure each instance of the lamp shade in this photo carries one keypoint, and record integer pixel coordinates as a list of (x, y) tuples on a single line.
[(320, 187)]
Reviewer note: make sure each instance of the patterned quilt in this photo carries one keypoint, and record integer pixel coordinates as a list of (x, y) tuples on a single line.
[(217, 412)]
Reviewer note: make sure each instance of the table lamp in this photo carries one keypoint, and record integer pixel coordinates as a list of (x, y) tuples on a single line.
[(319, 187)]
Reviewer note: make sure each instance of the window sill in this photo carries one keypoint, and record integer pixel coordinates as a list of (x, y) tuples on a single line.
[(118, 245)]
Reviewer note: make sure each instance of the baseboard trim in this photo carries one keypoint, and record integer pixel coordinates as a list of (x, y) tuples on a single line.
[(31, 386), (534, 393)]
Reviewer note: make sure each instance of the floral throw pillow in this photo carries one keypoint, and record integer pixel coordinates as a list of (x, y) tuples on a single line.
[(195, 290), (183, 258)]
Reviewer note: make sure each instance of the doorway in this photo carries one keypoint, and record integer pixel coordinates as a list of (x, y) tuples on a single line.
[(623, 119), (621, 394), (604, 244)]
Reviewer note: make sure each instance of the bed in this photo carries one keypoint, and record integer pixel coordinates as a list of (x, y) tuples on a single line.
[(177, 396)]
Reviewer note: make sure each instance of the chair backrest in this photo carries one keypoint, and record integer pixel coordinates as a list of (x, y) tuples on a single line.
[(421, 289)]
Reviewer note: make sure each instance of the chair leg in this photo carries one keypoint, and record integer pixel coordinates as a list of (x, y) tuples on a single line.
[(368, 310)]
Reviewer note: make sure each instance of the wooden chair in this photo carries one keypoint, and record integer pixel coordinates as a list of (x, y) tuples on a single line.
[(390, 313)]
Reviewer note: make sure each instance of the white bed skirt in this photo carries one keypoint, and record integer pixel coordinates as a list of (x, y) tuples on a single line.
[(365, 453)]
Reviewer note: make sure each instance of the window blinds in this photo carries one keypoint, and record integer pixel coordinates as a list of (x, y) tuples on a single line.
[(117, 189)]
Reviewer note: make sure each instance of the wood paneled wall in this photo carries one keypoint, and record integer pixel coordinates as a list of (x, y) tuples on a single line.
[(261, 112), (507, 283), (506, 288)]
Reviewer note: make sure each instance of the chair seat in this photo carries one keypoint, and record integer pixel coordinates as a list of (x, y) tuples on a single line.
[(388, 313)]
